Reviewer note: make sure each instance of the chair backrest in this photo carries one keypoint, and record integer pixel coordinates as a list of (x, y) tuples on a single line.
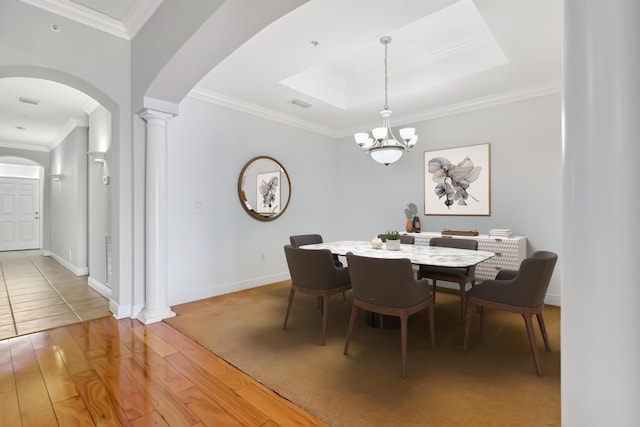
[(405, 239), (471, 244), (533, 278), (312, 268), (304, 239), (385, 282)]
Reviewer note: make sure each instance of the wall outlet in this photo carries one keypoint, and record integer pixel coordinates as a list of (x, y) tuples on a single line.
[(69, 254), (263, 257)]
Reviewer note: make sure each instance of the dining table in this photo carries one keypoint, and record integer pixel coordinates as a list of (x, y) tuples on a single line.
[(418, 255)]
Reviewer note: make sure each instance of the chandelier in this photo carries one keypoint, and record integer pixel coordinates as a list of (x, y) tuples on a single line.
[(384, 147)]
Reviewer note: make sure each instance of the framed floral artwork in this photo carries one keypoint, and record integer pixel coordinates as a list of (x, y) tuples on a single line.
[(457, 181), (268, 193)]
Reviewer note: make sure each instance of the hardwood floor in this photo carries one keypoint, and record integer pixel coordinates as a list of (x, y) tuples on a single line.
[(37, 293), (108, 372), (111, 372)]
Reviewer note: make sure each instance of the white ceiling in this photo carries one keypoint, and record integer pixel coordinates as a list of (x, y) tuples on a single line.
[(446, 56)]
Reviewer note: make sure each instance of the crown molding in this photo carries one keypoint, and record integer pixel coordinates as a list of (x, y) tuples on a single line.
[(246, 107), (24, 146), (470, 105), (140, 12), (68, 128), (90, 106), (449, 110)]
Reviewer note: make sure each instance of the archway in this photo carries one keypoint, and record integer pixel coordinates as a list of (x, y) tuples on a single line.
[(96, 258)]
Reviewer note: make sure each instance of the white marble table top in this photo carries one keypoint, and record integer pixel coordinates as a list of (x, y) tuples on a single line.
[(417, 254)]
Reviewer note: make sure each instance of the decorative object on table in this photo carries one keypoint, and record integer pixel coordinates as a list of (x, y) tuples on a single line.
[(393, 240), (384, 147), (447, 232), (410, 212), (416, 224), (456, 181), (376, 243), (500, 232)]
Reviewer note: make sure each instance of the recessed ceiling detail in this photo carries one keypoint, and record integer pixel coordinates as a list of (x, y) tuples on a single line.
[(451, 43)]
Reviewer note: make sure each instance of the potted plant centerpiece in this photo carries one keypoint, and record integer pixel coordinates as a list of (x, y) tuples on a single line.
[(393, 240), (411, 213)]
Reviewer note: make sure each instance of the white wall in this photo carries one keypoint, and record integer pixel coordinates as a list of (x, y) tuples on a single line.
[(526, 162), (69, 202), (218, 249)]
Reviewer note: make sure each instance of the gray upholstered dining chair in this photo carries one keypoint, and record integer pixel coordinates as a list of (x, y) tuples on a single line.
[(520, 291), (313, 272), (309, 239), (461, 276), (388, 287)]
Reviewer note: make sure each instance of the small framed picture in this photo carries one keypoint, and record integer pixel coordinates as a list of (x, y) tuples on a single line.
[(268, 193)]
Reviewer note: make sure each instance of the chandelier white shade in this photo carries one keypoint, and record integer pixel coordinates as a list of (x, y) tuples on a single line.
[(382, 145)]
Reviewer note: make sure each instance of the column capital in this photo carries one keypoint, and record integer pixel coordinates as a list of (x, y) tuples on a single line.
[(149, 113)]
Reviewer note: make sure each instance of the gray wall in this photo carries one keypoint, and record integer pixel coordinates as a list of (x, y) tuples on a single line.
[(220, 248), (526, 161), (99, 198), (69, 201), (339, 192)]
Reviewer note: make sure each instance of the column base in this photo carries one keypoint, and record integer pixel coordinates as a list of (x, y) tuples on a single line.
[(152, 316)]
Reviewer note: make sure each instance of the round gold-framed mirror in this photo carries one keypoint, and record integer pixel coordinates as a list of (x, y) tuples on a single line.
[(264, 188)]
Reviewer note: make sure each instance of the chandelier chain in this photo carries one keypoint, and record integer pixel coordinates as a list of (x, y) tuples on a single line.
[(386, 77)]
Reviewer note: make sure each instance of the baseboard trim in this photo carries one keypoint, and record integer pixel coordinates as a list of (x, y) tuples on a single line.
[(227, 288), (552, 299), (120, 311), (78, 271), (99, 287)]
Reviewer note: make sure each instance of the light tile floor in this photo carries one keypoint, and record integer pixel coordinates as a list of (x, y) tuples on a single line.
[(37, 293)]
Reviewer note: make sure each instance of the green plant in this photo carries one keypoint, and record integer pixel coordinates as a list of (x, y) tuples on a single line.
[(393, 235), (411, 210)]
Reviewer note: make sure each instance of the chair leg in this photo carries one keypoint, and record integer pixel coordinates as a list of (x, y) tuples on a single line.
[(432, 328), (325, 316), (286, 316), (403, 342), (352, 320), (467, 326), (463, 299), (544, 331), (434, 291), (381, 321), (532, 342)]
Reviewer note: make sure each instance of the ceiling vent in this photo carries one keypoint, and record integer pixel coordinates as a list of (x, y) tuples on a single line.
[(29, 100), (300, 104)]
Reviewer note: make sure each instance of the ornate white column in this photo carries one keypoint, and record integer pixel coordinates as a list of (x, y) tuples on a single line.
[(156, 294), (600, 327)]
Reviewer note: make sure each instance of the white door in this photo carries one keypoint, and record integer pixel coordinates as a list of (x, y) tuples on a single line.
[(19, 214)]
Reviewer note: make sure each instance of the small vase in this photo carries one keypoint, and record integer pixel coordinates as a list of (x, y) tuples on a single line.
[(393, 245), (416, 224), (409, 226)]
